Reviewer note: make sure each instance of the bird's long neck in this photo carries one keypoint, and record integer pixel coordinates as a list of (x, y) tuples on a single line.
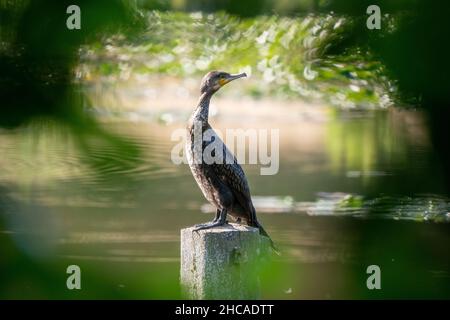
[(202, 111)]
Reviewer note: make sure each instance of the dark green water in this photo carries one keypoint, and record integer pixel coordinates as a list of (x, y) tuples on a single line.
[(353, 189)]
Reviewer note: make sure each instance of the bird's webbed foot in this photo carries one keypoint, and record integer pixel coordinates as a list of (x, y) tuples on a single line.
[(219, 220), (209, 225)]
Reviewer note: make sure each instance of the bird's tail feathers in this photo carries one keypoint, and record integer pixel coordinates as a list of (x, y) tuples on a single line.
[(262, 231)]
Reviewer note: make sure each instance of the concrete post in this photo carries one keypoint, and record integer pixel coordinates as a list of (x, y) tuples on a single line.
[(222, 262)]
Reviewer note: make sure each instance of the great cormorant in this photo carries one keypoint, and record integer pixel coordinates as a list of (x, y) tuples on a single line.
[(223, 184)]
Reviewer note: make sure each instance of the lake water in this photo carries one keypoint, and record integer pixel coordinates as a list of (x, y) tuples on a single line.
[(353, 189)]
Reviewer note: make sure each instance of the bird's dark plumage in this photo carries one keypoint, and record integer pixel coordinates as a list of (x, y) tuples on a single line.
[(223, 184)]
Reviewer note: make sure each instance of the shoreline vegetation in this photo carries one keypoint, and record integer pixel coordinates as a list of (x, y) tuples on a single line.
[(287, 57)]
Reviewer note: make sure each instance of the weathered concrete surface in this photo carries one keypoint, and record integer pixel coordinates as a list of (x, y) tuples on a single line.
[(222, 262)]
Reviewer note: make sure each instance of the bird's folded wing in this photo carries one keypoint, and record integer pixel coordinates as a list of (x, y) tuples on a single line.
[(233, 175)]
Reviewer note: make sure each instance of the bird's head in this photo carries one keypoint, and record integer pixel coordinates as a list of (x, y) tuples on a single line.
[(214, 80)]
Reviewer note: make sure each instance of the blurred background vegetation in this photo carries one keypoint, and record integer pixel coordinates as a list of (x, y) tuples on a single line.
[(87, 116)]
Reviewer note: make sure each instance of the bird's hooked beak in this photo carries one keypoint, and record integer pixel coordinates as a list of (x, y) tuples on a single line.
[(232, 77)]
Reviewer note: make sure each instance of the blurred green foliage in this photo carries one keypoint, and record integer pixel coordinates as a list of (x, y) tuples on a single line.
[(415, 52), (37, 57), (38, 54), (289, 57)]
